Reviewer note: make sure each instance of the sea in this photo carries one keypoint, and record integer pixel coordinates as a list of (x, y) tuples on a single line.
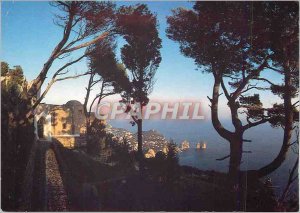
[(265, 144)]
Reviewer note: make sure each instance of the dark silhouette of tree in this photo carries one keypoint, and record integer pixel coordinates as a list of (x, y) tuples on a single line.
[(97, 137), (172, 164), (140, 55), (121, 154), (231, 40), (16, 140), (165, 166), (105, 72), (284, 43)]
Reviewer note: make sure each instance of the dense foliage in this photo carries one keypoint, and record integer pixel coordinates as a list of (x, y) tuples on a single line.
[(16, 139)]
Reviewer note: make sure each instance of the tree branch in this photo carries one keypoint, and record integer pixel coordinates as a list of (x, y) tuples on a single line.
[(246, 80), (266, 80), (223, 158), (86, 44), (225, 133), (250, 87), (54, 79), (225, 90), (36, 84), (58, 72), (276, 70), (253, 124), (294, 104)]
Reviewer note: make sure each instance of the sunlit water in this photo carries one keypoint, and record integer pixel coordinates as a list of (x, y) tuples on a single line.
[(265, 145)]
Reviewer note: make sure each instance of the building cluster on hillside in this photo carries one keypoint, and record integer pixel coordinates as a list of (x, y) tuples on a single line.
[(153, 141)]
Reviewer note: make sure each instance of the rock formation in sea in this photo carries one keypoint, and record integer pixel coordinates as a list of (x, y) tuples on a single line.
[(185, 145)]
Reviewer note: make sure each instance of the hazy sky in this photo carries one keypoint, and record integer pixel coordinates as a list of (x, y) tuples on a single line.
[(29, 36)]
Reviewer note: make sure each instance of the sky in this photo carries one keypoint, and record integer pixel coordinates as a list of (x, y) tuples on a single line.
[(29, 36)]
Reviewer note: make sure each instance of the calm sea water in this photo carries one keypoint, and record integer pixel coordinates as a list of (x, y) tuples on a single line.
[(265, 145)]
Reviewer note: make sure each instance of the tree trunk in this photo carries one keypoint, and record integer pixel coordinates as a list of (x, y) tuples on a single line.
[(88, 114), (280, 158), (140, 138), (288, 127), (236, 151), (234, 138), (214, 111), (140, 145), (88, 137)]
